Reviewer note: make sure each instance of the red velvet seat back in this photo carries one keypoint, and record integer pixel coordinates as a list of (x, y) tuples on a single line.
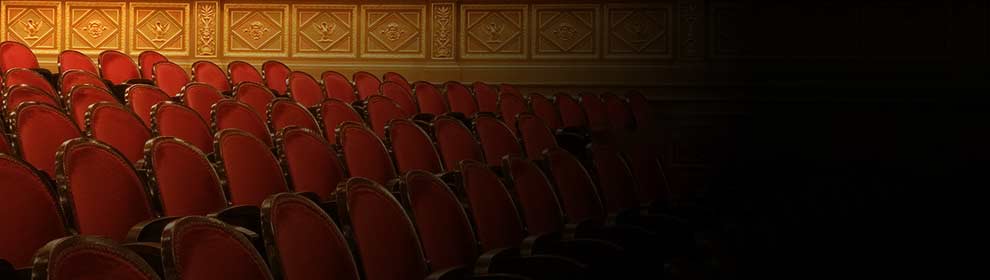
[(284, 112), (201, 97), (509, 89), (140, 98), (170, 77), (455, 142), (5, 147), (117, 67), (40, 130), (113, 124), (487, 97), (577, 192), (365, 154), (147, 61), (72, 78), (429, 99), (81, 98), (386, 240), (254, 95), (509, 106), (275, 74), (544, 108), (367, 84), (29, 212), (183, 178), (497, 140), (334, 112), (382, 110), (412, 147), (16, 55), (571, 112), (647, 170), (460, 99), (536, 196), (640, 108), (105, 195), (615, 180), (307, 243), (74, 60), (253, 173), (595, 109), (240, 71), (18, 76), (25, 93), (401, 95), (338, 87), (204, 248), (235, 114), (173, 119), (210, 73), (620, 116), (535, 135), (395, 78), (312, 165), (305, 89), (495, 216), (444, 229), (88, 257)]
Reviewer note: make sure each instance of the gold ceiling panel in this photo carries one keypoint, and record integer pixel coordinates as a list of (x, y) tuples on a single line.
[(93, 27), (162, 27), (324, 31), (259, 30), (565, 31), (494, 31), (393, 31), (36, 24), (637, 31)]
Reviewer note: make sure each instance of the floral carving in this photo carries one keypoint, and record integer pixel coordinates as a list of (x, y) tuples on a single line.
[(256, 30), (393, 31), (494, 32), (565, 32), (159, 30), (207, 19), (325, 29), (443, 47), (95, 28), (32, 29)]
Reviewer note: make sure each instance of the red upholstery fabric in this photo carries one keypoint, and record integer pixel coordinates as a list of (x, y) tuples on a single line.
[(172, 119), (460, 99), (4, 142), (29, 212), (536, 195), (184, 178), (240, 71), (16, 55), (614, 180), (117, 67), (116, 126), (648, 173), (203, 248), (286, 112), (74, 60), (429, 99), (487, 97), (253, 172), (17, 76), (535, 135), (140, 98), (509, 89), (444, 229), (576, 191), (338, 87), (367, 84), (305, 89), (234, 114), (334, 112), (382, 110), (73, 78), (81, 98), (254, 95), (147, 61), (546, 110), (313, 166), (107, 195), (494, 212), (640, 108), (40, 130), (386, 240), (401, 95), (412, 147), (620, 116), (87, 257), (497, 140), (25, 93), (510, 105), (275, 74), (309, 244), (595, 109), (455, 142), (209, 73), (201, 97), (570, 110), (396, 78), (365, 155), (170, 77)]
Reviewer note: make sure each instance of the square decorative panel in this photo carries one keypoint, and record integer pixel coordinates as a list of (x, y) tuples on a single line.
[(393, 31), (565, 31), (493, 31), (256, 29), (92, 27), (162, 27), (324, 31), (638, 31), (36, 24)]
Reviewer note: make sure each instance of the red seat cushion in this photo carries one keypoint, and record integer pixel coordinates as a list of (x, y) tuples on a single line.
[(382, 110), (40, 131), (74, 60), (240, 71), (286, 112), (487, 97), (172, 119), (209, 73), (614, 179), (536, 195), (444, 228), (254, 95), (429, 99), (497, 140), (577, 192), (184, 178), (312, 165), (546, 110), (535, 135), (82, 97), (275, 74), (412, 147), (455, 142), (334, 112), (494, 212), (570, 110), (201, 97), (203, 248), (367, 84), (460, 99), (234, 114), (595, 109), (24, 93), (16, 55), (88, 257), (140, 98), (117, 67), (386, 240), (401, 94), (147, 61), (116, 126), (253, 172), (170, 77), (309, 245), (17, 76), (305, 89), (29, 213), (509, 106), (338, 87), (73, 78), (365, 155), (395, 78)]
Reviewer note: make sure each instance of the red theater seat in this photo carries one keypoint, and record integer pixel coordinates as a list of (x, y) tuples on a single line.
[(455, 142), (140, 98), (88, 257), (577, 192), (332, 113), (395, 78), (79, 100), (365, 154), (240, 71), (235, 114), (147, 61), (210, 73), (367, 84), (544, 108), (200, 97), (5, 147), (30, 213), (509, 89), (253, 173), (173, 119), (312, 165), (429, 99), (275, 74), (118, 127), (284, 112), (594, 108), (74, 60), (25, 76), (487, 97), (497, 140), (16, 55), (460, 99), (401, 95), (24, 93), (536, 196), (620, 116), (339, 87), (496, 218), (170, 77), (204, 248), (305, 89), (117, 67), (444, 228), (307, 244), (511, 105), (40, 130), (535, 135), (382, 110), (412, 147), (571, 112), (183, 178), (73, 78), (254, 95), (615, 182)]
